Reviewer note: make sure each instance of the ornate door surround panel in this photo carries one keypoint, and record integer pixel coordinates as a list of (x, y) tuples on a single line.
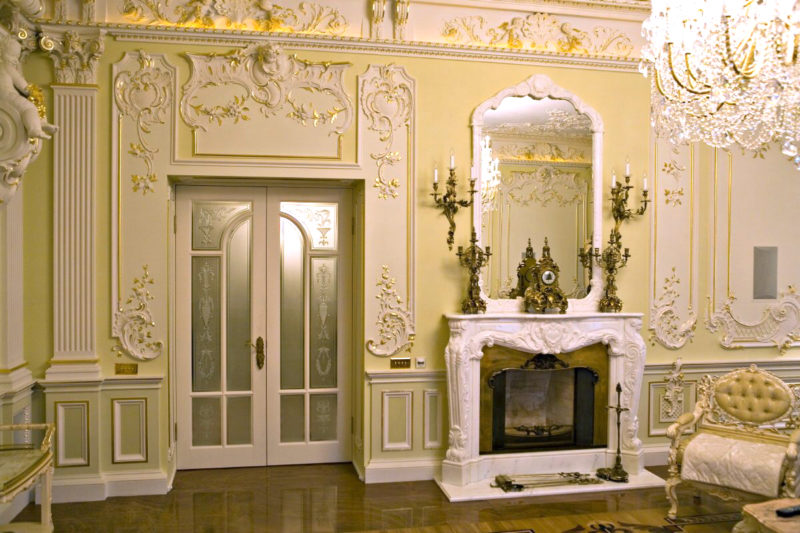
[(553, 334)]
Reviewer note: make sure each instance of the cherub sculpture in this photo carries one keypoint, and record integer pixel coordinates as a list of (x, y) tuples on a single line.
[(14, 89)]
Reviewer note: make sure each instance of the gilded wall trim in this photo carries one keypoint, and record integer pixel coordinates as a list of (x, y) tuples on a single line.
[(133, 322), (387, 100), (395, 326), (145, 95)]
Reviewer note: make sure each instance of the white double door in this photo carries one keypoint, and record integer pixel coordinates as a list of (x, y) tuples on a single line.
[(262, 317)]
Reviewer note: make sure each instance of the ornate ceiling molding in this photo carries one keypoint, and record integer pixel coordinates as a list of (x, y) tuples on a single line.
[(539, 31), (545, 152), (145, 95), (387, 100), (307, 17), (545, 185), (270, 79), (75, 53)]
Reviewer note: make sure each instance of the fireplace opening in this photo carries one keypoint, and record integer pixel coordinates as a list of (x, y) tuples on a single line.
[(542, 406), (545, 403)]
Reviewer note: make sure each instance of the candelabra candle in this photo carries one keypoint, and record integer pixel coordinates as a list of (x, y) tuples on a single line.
[(449, 202), (473, 258)]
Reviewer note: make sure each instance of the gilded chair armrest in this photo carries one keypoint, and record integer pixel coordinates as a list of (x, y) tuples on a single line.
[(794, 441), (676, 430), (47, 441)]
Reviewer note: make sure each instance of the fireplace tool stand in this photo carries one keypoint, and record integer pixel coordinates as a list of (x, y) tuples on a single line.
[(616, 473)]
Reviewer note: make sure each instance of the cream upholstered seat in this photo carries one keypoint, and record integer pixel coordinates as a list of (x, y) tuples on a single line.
[(746, 436), (21, 467)]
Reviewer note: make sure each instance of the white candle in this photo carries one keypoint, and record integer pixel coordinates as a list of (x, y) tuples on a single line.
[(452, 161), (613, 178), (627, 167), (644, 186), (436, 175)]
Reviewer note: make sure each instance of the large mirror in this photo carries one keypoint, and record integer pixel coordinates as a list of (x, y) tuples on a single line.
[(536, 157)]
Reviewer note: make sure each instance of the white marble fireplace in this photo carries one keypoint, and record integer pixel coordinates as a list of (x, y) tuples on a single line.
[(466, 473)]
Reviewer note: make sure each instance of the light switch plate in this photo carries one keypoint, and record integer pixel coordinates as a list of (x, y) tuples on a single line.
[(400, 362), (420, 362)]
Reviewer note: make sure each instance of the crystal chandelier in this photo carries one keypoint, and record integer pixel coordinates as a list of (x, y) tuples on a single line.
[(490, 176), (725, 71)]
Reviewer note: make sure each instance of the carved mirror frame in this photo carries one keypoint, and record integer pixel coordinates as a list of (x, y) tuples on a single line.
[(539, 87)]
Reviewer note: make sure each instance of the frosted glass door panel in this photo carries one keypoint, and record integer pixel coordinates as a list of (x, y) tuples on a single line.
[(238, 319), (323, 325), (293, 256), (323, 417), (292, 418), (206, 422), (206, 353), (239, 420)]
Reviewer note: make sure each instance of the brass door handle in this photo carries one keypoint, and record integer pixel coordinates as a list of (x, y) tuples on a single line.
[(259, 353)]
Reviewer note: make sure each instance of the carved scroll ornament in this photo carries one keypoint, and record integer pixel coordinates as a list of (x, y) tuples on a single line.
[(145, 95), (779, 324), (273, 81), (667, 328), (133, 323), (387, 99), (394, 322)]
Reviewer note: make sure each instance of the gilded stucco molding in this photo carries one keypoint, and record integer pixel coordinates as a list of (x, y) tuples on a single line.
[(145, 95), (540, 152), (23, 116), (673, 197), (546, 185), (401, 8), (666, 326), (387, 100), (133, 322), (75, 53), (394, 322), (779, 324), (273, 81), (257, 15), (539, 31)]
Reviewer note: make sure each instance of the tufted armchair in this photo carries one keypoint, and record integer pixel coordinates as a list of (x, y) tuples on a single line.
[(746, 436)]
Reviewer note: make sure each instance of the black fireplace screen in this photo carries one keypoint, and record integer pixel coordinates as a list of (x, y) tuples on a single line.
[(535, 408)]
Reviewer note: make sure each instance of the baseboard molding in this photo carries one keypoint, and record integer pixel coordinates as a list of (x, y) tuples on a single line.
[(391, 471), (67, 489), (657, 455), (9, 511)]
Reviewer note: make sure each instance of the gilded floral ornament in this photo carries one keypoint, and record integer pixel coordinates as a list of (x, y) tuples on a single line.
[(673, 197), (665, 322), (387, 100), (779, 324), (395, 324), (671, 406), (145, 95), (545, 185), (549, 152), (273, 81), (541, 32), (133, 323), (258, 15)]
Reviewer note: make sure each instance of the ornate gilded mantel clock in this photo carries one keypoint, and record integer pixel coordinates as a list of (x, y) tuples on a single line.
[(544, 294)]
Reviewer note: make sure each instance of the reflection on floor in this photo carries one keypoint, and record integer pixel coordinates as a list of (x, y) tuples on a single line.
[(325, 498)]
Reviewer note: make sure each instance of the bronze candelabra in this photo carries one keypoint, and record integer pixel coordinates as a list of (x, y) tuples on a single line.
[(474, 258), (613, 257), (449, 203), (616, 473)]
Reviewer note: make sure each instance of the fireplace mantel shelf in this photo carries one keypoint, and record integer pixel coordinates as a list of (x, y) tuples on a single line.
[(543, 333)]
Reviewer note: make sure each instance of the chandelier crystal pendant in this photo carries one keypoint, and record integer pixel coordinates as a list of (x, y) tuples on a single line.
[(490, 176), (725, 72)]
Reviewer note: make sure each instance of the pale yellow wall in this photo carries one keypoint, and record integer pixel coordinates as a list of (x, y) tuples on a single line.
[(446, 95)]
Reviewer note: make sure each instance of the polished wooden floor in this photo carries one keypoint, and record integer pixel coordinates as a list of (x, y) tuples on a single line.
[(326, 498)]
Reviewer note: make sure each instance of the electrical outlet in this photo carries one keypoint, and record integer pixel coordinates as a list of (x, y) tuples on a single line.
[(420, 362)]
